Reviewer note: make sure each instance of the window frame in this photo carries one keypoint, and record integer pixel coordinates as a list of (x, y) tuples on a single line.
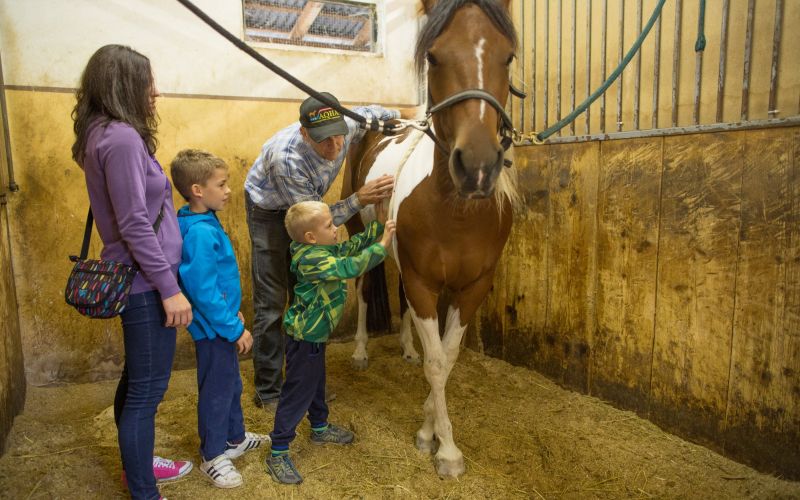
[(379, 6)]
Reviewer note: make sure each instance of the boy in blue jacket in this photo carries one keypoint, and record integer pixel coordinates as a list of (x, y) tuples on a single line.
[(209, 277)]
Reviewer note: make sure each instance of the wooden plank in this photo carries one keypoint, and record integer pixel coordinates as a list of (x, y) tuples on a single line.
[(627, 250), (565, 348), (694, 295), (306, 18), (764, 410), (526, 271)]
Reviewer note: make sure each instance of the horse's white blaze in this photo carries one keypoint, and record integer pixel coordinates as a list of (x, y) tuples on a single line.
[(479, 57), (417, 167), (360, 352)]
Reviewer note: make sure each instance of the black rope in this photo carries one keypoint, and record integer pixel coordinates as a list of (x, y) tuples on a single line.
[(372, 125)]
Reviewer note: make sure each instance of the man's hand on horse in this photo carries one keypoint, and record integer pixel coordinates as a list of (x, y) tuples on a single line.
[(376, 190), (388, 232)]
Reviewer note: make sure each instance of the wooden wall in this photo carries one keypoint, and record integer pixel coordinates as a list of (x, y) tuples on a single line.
[(663, 275), (12, 373)]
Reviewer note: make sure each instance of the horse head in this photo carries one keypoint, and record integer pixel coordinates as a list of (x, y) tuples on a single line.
[(468, 46)]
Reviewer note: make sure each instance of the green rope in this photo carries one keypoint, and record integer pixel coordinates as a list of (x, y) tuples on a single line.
[(597, 93), (700, 44)]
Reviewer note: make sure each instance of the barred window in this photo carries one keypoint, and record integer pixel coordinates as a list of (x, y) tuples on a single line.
[(344, 25)]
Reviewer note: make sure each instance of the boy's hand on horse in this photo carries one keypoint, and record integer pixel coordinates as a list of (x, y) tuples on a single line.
[(245, 342), (376, 190), (388, 233), (381, 212)]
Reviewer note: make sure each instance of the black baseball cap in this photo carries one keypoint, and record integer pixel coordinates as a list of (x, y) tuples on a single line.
[(321, 120)]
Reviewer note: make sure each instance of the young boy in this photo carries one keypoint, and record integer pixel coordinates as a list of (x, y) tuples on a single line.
[(321, 266), (209, 277)]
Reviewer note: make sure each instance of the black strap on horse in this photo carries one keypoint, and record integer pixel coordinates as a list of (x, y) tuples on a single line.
[(506, 126), (373, 125)]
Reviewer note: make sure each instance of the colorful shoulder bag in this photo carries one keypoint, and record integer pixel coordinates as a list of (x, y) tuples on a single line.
[(100, 288)]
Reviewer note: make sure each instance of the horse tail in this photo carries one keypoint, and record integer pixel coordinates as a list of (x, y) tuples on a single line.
[(401, 292), (374, 293)]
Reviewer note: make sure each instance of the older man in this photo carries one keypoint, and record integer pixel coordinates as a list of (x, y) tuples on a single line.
[(298, 163)]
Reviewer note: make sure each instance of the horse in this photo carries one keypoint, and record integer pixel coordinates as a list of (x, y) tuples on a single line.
[(453, 199)]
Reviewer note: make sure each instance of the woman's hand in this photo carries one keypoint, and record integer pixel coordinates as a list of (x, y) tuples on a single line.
[(178, 309)]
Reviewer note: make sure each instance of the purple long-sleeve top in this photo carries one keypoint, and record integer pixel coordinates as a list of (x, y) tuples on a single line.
[(127, 189)]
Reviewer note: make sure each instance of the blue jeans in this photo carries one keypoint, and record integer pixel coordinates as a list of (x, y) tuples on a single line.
[(219, 408), (149, 349), (272, 284), (303, 391)]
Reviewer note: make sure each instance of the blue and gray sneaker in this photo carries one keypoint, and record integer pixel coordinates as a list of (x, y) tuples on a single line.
[(282, 469), (331, 434)]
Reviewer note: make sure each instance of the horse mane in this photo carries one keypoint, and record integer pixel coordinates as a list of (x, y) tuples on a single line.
[(507, 188), (440, 16)]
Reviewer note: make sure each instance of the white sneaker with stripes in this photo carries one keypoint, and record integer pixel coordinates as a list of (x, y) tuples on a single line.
[(222, 472), (251, 442)]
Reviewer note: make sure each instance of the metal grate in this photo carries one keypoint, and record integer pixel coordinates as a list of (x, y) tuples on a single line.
[(340, 25)]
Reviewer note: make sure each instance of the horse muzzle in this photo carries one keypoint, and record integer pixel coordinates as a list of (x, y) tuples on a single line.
[(475, 177)]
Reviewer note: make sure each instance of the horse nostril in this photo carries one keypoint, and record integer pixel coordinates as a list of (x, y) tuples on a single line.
[(458, 163)]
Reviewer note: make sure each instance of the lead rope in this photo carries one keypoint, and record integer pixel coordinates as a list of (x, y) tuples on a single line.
[(415, 141)]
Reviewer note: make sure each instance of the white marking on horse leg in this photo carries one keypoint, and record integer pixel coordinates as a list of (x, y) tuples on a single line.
[(407, 339), (479, 57), (449, 459), (427, 330), (360, 357), (451, 340)]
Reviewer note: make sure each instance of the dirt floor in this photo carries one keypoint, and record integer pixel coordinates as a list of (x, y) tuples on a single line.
[(522, 437)]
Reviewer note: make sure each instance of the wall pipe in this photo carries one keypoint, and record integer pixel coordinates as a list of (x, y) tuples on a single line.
[(12, 185)]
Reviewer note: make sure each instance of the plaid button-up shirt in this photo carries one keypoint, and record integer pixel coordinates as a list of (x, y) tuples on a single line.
[(289, 171)]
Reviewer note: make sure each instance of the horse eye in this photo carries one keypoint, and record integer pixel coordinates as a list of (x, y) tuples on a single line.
[(431, 60)]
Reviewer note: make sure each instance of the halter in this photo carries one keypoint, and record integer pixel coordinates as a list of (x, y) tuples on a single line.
[(508, 133)]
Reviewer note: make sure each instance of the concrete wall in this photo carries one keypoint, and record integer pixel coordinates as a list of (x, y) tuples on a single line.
[(663, 275), (215, 98)]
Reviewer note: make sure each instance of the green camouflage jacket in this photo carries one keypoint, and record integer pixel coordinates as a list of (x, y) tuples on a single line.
[(321, 290)]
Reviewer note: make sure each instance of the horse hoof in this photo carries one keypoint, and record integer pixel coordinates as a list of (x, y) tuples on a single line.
[(427, 446), (414, 360), (450, 468), (360, 364)]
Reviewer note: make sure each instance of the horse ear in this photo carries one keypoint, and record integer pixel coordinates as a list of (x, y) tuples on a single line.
[(427, 5)]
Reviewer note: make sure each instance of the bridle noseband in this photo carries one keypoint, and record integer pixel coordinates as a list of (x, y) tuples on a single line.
[(506, 130)]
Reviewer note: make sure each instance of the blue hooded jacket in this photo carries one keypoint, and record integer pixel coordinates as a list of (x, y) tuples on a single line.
[(209, 277)]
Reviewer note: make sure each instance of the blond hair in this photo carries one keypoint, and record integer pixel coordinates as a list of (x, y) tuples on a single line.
[(193, 166), (301, 216)]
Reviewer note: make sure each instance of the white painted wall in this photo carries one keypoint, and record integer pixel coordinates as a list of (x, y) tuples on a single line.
[(46, 43)]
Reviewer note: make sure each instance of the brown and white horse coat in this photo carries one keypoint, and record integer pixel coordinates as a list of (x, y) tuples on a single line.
[(453, 201)]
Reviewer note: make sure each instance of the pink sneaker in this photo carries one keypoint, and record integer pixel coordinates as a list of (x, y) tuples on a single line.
[(166, 470)]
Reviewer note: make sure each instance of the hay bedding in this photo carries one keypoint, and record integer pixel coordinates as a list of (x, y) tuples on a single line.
[(522, 437)]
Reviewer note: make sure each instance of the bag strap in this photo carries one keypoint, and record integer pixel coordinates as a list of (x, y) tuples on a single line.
[(87, 233)]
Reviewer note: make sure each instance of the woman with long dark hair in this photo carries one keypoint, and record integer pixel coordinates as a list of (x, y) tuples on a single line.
[(115, 126)]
